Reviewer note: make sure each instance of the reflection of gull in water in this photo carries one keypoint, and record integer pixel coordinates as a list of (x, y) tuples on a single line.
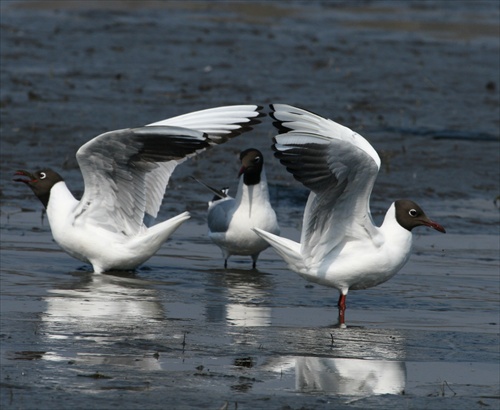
[(371, 364), (247, 315), (103, 309), (350, 376), (104, 297), (245, 298)]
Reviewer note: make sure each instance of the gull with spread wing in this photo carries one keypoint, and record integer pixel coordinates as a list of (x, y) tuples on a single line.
[(339, 246), (126, 173)]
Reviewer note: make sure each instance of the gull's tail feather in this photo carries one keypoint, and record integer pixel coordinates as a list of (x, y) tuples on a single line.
[(289, 250), (160, 232)]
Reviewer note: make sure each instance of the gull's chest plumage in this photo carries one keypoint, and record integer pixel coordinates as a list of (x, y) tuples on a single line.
[(76, 234), (244, 218), (361, 264), (251, 208), (250, 213)]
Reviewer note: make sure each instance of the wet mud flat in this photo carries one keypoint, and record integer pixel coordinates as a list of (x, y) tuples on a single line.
[(197, 336), (420, 82)]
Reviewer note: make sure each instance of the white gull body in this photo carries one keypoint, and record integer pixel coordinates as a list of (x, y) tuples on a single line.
[(126, 173), (340, 246), (231, 220)]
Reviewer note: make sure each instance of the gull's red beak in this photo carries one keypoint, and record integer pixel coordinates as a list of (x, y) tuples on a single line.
[(435, 226), (30, 176)]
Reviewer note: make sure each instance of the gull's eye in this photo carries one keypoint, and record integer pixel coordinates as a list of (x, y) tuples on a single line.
[(256, 159), (43, 175), (413, 212)]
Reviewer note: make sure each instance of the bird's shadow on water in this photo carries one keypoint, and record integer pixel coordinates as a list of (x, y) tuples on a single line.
[(138, 275), (235, 277), (86, 273), (240, 272), (87, 277)]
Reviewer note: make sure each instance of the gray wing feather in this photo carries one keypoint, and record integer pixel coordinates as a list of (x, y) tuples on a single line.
[(218, 217), (341, 177), (338, 165), (114, 166)]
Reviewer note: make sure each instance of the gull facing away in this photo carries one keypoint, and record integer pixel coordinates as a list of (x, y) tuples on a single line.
[(126, 173), (231, 220), (339, 246)]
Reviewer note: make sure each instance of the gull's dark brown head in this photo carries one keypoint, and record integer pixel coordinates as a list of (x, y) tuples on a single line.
[(409, 215), (252, 162), (41, 182)]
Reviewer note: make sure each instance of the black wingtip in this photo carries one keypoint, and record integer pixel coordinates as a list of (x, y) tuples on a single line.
[(278, 124), (259, 110), (256, 120), (248, 125)]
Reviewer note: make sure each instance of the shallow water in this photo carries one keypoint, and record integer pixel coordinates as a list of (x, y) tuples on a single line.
[(419, 81)]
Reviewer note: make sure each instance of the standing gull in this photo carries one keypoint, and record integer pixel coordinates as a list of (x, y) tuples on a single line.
[(126, 173), (231, 220), (339, 245)]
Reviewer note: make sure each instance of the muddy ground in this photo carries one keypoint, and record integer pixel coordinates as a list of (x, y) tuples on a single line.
[(420, 80)]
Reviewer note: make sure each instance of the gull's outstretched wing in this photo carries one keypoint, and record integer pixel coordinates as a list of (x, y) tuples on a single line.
[(115, 166), (220, 123), (339, 167)]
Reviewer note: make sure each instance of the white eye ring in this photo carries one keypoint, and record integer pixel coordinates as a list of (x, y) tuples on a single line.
[(43, 175), (256, 159), (412, 212)]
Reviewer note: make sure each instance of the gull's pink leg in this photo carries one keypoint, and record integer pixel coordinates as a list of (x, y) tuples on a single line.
[(341, 305)]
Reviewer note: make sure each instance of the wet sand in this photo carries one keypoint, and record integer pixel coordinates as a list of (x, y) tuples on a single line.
[(419, 81)]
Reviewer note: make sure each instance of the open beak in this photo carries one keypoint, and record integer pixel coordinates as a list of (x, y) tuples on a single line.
[(435, 226), (30, 176)]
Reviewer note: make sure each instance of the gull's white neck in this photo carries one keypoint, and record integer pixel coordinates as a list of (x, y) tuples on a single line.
[(255, 192), (250, 198), (397, 240), (61, 203)]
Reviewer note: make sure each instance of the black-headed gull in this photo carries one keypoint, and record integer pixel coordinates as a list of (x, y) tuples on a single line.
[(231, 220), (126, 173), (339, 246)]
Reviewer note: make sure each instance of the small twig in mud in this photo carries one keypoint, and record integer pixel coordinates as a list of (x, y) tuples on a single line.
[(331, 335), (445, 383), (184, 342)]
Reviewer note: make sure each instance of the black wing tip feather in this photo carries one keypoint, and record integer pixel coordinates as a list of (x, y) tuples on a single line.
[(156, 147), (279, 124), (257, 119), (244, 126), (254, 120), (299, 160)]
